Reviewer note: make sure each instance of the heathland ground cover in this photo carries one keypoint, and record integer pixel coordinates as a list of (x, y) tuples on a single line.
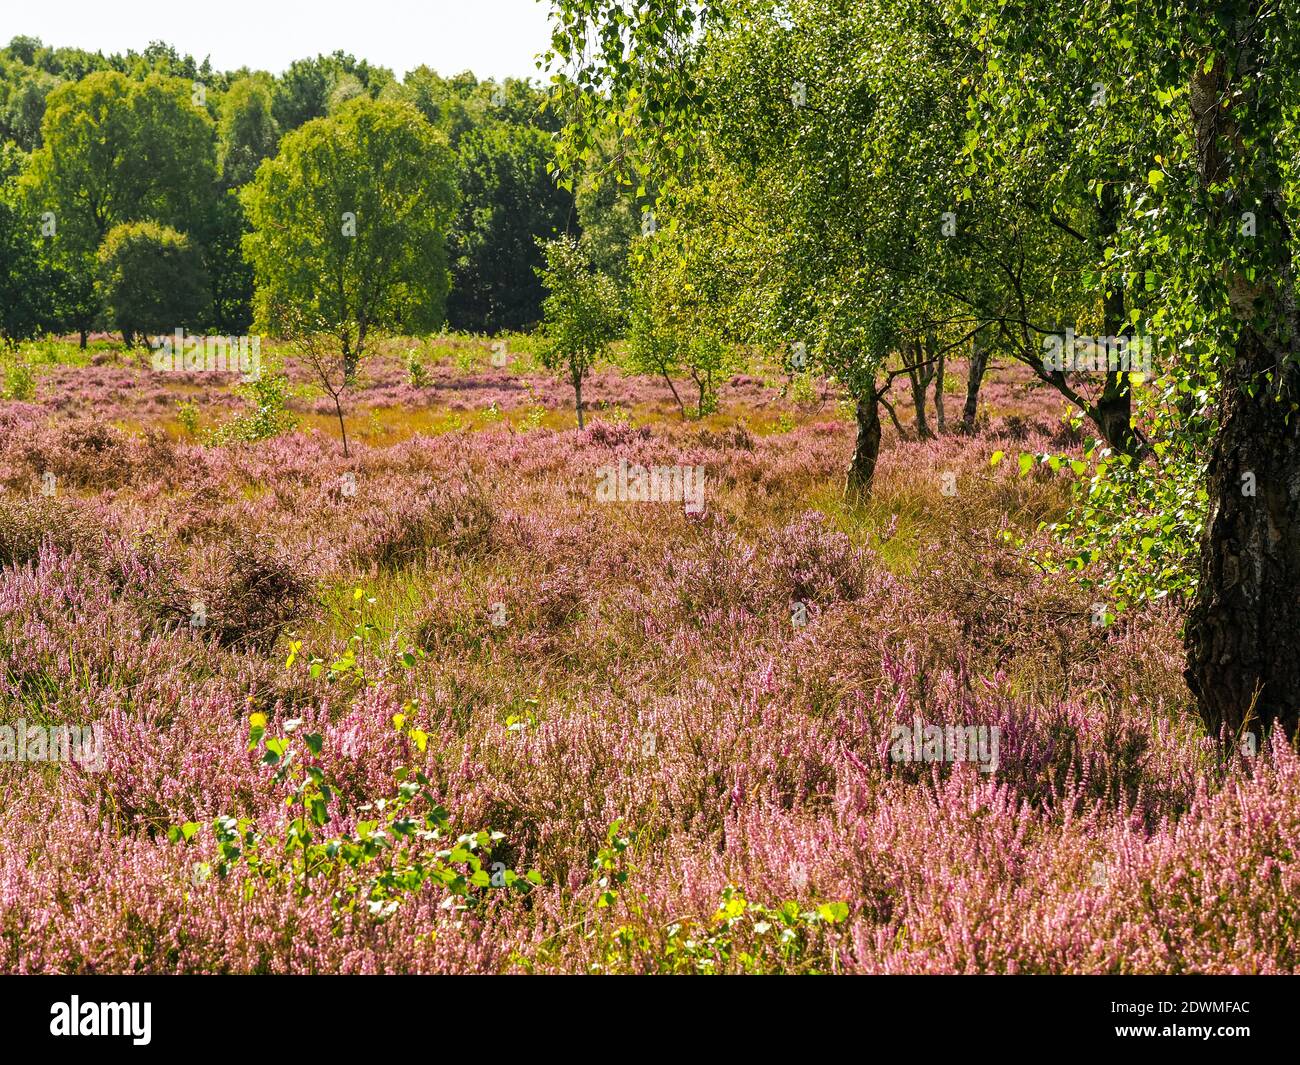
[(436, 707)]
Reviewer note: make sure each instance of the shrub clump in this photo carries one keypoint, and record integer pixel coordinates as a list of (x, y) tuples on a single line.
[(245, 604), (454, 518), (28, 523)]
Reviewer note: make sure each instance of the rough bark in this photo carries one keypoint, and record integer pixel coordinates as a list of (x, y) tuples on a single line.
[(1243, 632), (979, 360), (1113, 411), (862, 470), (1243, 659), (1113, 414), (919, 363)]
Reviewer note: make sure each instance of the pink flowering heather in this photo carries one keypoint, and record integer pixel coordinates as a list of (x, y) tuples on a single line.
[(678, 732)]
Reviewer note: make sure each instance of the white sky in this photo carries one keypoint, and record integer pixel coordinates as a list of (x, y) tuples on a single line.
[(493, 38)]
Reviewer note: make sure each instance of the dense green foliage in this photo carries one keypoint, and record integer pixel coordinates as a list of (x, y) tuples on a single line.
[(26, 305), (150, 279), (349, 226), (508, 199), (94, 141), (582, 313)]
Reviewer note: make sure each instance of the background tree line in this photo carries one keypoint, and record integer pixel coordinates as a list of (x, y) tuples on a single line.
[(109, 164)]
